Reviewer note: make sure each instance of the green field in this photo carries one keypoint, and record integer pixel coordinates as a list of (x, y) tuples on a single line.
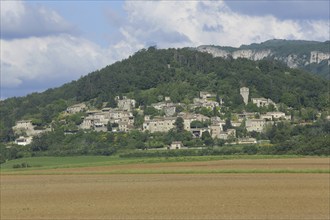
[(51, 163)]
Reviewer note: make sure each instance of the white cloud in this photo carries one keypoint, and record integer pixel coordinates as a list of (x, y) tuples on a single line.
[(49, 59), (193, 23), (20, 20)]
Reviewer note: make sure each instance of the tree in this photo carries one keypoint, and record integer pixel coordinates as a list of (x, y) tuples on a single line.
[(151, 111), (109, 127), (179, 124), (39, 143), (138, 120), (207, 139), (227, 125), (111, 102), (196, 124), (217, 99)]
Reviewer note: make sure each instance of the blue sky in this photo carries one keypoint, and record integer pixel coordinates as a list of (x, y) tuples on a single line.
[(47, 43)]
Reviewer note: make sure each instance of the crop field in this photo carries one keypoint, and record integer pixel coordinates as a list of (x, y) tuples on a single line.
[(283, 188)]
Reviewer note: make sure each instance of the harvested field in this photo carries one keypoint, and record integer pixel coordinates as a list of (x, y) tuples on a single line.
[(105, 195)]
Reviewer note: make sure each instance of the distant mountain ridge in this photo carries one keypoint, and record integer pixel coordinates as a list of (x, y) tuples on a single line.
[(311, 56)]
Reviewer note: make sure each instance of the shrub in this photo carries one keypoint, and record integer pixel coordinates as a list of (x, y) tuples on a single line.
[(22, 165), (17, 166)]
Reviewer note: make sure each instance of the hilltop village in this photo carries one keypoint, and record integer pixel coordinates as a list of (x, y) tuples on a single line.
[(162, 116)]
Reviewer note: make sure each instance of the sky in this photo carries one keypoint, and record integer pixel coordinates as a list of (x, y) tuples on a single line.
[(45, 44)]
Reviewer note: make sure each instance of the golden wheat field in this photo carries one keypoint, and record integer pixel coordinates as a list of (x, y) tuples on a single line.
[(78, 195)]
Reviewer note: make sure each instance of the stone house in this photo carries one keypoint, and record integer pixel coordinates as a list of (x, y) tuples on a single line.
[(116, 116), (168, 107), (257, 125), (159, 124), (125, 127), (246, 115), (96, 120), (274, 116), (215, 120), (262, 102), (216, 127), (277, 115), (225, 135), (159, 105), (216, 130), (236, 124), (167, 99), (25, 127), (247, 141), (188, 118), (76, 108), (244, 92), (175, 145), (198, 132), (266, 117), (126, 104), (23, 141), (206, 95), (89, 122), (169, 110), (204, 103)]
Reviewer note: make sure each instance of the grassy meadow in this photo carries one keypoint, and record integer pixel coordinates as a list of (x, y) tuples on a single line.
[(161, 165)]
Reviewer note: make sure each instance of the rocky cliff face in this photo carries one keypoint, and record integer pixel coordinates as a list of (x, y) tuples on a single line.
[(305, 59), (249, 54)]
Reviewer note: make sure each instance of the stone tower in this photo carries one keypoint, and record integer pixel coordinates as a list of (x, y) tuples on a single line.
[(244, 91)]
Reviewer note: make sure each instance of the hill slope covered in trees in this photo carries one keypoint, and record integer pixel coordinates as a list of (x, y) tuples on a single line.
[(178, 73)]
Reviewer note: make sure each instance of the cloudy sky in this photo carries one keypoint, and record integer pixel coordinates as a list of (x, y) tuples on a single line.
[(47, 43)]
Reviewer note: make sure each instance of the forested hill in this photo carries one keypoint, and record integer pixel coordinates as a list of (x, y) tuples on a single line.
[(178, 73), (311, 56)]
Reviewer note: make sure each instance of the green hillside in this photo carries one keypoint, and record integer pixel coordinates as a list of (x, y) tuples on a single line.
[(178, 73), (150, 75)]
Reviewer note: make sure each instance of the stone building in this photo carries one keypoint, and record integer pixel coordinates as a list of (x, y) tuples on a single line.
[(25, 127), (159, 124), (189, 117), (274, 116), (257, 125), (262, 102), (76, 108), (23, 141), (175, 145), (126, 104), (244, 91)]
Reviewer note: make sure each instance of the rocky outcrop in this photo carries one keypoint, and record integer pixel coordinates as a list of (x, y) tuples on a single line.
[(248, 54), (292, 60), (318, 57), (251, 54)]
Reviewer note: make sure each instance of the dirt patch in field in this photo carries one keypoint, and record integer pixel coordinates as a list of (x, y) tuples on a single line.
[(175, 196), (242, 164)]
